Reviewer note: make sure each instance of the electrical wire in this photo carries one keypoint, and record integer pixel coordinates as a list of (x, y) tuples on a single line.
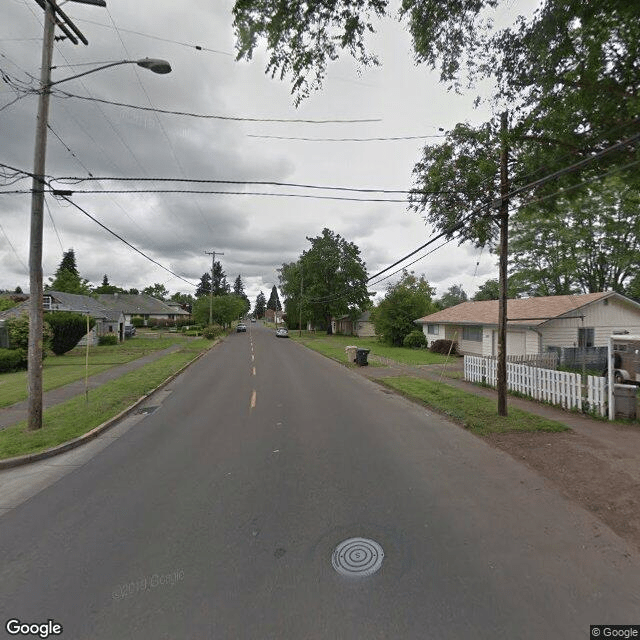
[(26, 270), (249, 135), (119, 237), (205, 116)]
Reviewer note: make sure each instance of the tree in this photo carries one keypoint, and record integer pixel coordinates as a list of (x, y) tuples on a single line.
[(261, 305), (274, 300), (407, 300), (454, 295), (335, 279), (67, 278), (569, 75), (106, 287), (68, 328), (585, 244), (490, 290), (18, 289), (238, 290), (219, 280), (156, 290), (185, 300), (204, 286), (133, 292), (226, 309)]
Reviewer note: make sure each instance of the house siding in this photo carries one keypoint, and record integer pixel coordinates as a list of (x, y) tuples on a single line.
[(604, 318)]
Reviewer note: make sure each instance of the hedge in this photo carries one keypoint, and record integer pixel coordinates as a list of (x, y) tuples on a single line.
[(12, 360), (68, 328), (109, 339), (444, 346)]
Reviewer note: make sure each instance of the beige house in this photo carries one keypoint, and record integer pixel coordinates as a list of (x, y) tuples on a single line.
[(535, 324), (361, 327)]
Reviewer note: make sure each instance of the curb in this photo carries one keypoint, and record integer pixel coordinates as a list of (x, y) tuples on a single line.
[(9, 463)]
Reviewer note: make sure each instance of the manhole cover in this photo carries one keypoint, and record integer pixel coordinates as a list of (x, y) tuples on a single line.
[(146, 410), (357, 557)]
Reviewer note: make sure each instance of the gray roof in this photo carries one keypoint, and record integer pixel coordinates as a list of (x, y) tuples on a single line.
[(84, 304), (139, 304)]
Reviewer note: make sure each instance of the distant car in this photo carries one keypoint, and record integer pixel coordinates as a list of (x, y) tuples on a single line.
[(129, 330), (282, 333), (253, 319), (241, 327)]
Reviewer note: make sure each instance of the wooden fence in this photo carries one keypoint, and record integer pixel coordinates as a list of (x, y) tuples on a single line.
[(556, 387)]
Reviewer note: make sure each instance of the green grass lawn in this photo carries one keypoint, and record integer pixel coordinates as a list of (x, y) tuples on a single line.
[(76, 417), (475, 413), (333, 347), (61, 370)]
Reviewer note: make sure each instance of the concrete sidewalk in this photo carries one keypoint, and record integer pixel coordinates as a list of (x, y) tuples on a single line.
[(17, 412)]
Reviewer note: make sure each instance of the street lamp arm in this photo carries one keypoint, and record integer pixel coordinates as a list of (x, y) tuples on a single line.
[(153, 64)]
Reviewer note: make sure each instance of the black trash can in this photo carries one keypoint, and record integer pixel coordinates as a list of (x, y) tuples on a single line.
[(361, 357)]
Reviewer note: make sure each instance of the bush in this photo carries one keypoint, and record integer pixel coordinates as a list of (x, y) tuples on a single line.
[(12, 360), (212, 331), (183, 322), (443, 346), (68, 328), (415, 340), (18, 329), (137, 322), (109, 339)]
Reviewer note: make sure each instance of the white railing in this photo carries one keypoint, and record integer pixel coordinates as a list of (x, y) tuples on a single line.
[(555, 387)]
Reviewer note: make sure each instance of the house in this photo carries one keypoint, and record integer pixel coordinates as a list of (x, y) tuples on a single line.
[(535, 325), (270, 316), (361, 327), (140, 305), (108, 320)]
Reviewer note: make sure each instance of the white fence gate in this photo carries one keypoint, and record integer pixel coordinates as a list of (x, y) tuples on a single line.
[(555, 387)]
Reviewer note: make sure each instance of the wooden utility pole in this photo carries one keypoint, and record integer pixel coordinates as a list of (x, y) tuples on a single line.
[(300, 305), (504, 243), (36, 321), (213, 255)]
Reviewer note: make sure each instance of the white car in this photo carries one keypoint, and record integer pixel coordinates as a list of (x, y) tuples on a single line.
[(282, 333)]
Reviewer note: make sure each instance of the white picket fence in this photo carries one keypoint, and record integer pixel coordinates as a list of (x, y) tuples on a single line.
[(555, 387)]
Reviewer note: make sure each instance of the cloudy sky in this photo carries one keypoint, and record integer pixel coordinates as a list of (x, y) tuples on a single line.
[(256, 233)]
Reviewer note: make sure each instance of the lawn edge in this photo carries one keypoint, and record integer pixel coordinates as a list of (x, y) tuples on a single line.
[(17, 461)]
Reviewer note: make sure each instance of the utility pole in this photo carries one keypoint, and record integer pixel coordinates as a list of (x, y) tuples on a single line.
[(504, 244), (213, 255), (34, 355), (300, 305)]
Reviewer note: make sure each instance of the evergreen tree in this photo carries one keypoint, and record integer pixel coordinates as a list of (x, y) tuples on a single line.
[(238, 287), (274, 300), (67, 277), (219, 282), (261, 305), (106, 287), (204, 286)]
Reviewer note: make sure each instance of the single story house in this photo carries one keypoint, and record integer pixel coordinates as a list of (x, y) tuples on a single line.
[(108, 320), (535, 325), (361, 327), (140, 305), (270, 316)]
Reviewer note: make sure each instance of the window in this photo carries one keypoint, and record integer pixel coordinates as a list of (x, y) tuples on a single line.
[(586, 337), (432, 329), (46, 302), (472, 333)]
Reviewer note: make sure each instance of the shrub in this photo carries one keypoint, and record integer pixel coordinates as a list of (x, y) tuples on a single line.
[(137, 322), (183, 322), (212, 331), (109, 339), (18, 329), (68, 328), (415, 340), (443, 346), (12, 360)]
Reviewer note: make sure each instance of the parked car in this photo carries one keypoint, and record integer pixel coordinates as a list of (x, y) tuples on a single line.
[(241, 327), (129, 330), (282, 333), (253, 319)]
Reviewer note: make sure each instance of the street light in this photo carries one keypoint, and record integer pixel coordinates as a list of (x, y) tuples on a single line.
[(34, 374)]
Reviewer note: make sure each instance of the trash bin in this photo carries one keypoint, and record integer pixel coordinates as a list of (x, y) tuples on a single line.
[(624, 401), (351, 353), (361, 357)]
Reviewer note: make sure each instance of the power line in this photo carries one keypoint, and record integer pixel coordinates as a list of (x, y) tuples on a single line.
[(249, 135), (26, 269), (197, 47), (113, 233), (65, 94)]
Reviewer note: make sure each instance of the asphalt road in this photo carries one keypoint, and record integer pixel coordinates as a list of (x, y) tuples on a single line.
[(216, 516)]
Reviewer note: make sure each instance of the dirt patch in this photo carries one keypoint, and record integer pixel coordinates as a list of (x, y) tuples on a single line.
[(584, 471)]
